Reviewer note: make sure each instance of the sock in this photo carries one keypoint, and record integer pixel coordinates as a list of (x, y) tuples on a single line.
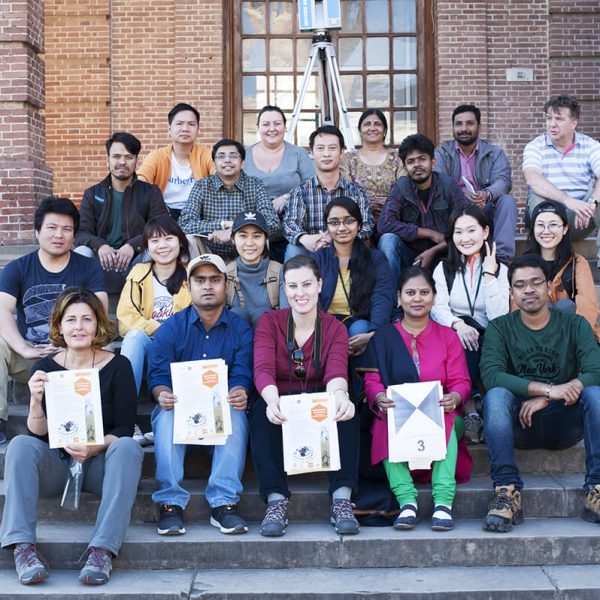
[(275, 496), (440, 514), (409, 510), (342, 493)]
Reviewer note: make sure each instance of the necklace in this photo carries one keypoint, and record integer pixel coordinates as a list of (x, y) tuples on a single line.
[(93, 360)]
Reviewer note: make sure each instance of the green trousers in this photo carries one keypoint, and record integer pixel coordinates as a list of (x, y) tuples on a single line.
[(443, 483)]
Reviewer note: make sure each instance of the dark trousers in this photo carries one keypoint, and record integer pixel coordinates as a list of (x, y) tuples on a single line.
[(267, 452)]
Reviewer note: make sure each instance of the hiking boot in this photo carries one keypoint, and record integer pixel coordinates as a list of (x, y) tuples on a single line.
[(97, 568), (30, 564), (591, 509), (408, 517), (442, 518), (473, 429), (504, 510), (342, 517), (276, 519), (170, 520), (227, 519)]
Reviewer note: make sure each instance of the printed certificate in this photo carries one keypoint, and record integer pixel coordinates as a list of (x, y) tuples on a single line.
[(202, 414), (310, 436), (416, 427), (74, 408)]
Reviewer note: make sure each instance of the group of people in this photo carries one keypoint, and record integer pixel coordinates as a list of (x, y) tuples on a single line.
[(384, 254)]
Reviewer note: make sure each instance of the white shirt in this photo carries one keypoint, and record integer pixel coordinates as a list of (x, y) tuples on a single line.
[(179, 185)]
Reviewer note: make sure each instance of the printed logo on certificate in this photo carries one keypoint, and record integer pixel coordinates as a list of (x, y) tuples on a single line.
[(310, 436), (201, 414), (416, 427), (74, 408)]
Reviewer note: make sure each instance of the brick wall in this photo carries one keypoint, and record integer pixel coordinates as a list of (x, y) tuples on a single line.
[(24, 176)]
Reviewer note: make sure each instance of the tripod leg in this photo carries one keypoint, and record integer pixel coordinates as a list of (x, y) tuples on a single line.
[(289, 136), (336, 82)]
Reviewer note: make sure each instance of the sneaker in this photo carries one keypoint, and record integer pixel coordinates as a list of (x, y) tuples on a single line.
[(170, 520), (342, 517), (591, 509), (276, 519), (473, 429), (3, 437), (30, 564), (97, 568), (149, 437), (408, 517), (227, 520), (504, 510), (442, 518), (138, 435)]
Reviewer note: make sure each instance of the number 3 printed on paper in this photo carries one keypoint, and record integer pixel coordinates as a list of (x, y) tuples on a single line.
[(420, 445)]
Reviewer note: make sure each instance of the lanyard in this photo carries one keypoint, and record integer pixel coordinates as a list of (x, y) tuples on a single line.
[(472, 304)]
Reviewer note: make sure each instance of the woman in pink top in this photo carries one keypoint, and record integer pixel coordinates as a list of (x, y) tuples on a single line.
[(301, 349), (413, 349)]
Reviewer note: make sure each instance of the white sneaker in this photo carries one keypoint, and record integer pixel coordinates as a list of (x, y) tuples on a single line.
[(149, 437), (138, 436)]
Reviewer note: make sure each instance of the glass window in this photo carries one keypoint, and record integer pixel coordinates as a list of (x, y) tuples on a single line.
[(405, 90), (378, 54), (281, 55), (404, 16), (352, 15), (280, 17), (353, 90), (282, 91), (405, 123), (253, 55), (350, 54), (254, 91), (253, 17), (405, 53), (378, 91), (377, 16)]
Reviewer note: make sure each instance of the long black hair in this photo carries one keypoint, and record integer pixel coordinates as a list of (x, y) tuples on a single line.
[(564, 250), (455, 261), (164, 225), (362, 271)]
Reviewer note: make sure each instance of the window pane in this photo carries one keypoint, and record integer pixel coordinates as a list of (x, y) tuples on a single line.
[(253, 17), (378, 54), (302, 49), (353, 117), (378, 90), (307, 123), (254, 92), (352, 16), (405, 90), (281, 17), (249, 133), (282, 91), (280, 55), (350, 54), (404, 16), (311, 100), (405, 123), (405, 53), (377, 16), (253, 55), (353, 90)]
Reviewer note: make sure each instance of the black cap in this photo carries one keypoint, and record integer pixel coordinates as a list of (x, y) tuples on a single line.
[(551, 206), (249, 218)]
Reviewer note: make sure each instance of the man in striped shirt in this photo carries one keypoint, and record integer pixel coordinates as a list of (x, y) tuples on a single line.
[(564, 165)]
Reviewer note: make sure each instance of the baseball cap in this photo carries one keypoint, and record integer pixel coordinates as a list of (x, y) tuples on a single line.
[(249, 218), (550, 206), (206, 259)]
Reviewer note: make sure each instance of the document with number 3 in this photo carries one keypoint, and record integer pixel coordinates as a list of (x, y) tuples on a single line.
[(416, 428), (74, 408)]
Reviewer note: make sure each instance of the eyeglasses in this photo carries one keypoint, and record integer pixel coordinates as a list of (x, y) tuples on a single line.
[(297, 357), (534, 283), (551, 227), (231, 156), (347, 221)]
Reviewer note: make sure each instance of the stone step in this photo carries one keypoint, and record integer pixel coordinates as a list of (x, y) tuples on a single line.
[(316, 545), (544, 496)]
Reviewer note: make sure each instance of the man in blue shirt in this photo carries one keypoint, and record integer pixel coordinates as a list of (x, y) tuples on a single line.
[(204, 330)]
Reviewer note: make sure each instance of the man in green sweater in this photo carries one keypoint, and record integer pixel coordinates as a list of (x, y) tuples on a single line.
[(541, 370)]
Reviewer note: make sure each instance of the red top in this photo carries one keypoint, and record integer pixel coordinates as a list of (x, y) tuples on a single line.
[(272, 359)]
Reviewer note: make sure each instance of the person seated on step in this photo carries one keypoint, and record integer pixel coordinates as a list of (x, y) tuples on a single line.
[(176, 167), (414, 218), (472, 289), (483, 173), (564, 165), (255, 282), (303, 223), (205, 330), (414, 349), (215, 200), (79, 328), (29, 286), (572, 286), (153, 292), (114, 211), (541, 370), (301, 349)]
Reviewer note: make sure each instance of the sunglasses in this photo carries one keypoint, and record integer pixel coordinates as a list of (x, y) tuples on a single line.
[(297, 357)]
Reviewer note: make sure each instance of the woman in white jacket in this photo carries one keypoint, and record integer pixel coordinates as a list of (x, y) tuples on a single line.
[(472, 289)]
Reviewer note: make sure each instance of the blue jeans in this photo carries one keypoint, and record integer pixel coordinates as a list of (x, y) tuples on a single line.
[(555, 427), (398, 254), (292, 250), (135, 347), (225, 482), (503, 214)]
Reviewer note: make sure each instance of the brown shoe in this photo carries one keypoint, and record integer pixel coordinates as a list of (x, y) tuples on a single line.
[(591, 508), (504, 510)]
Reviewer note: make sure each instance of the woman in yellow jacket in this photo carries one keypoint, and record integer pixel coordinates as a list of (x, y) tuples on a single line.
[(153, 292)]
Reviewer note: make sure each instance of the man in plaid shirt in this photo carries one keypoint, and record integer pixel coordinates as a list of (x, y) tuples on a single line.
[(215, 200), (303, 221)]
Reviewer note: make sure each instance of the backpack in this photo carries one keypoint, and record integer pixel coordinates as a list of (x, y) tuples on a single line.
[(271, 281), (567, 280)]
